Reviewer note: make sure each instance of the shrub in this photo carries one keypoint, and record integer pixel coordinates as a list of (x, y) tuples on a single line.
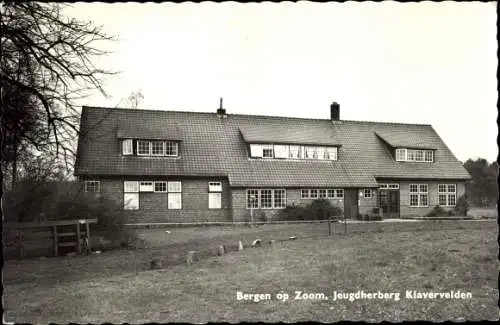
[(462, 206), (438, 211), (317, 210), (36, 201)]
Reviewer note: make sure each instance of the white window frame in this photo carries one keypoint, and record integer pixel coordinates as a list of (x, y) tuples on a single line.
[(175, 147), (296, 149), (256, 150), (281, 151), (92, 186), (174, 192), (215, 195), (400, 154), (282, 198), (447, 194), (367, 193), (419, 193), (127, 147), (146, 186), (130, 190), (305, 194), (391, 186), (332, 153), (138, 142), (431, 155), (163, 184), (258, 203), (152, 145), (268, 147)]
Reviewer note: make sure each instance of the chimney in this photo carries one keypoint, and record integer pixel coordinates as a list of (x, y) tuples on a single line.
[(221, 112), (335, 111)]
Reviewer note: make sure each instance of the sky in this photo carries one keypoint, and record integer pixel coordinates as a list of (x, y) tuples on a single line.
[(429, 63)]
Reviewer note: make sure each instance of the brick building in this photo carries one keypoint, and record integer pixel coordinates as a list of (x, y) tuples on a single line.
[(172, 166)]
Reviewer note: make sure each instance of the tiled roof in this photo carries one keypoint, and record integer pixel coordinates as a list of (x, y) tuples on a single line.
[(302, 132), (157, 130), (397, 138), (212, 146)]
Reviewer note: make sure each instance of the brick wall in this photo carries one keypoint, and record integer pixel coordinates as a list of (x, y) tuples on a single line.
[(153, 207), (404, 188), (293, 196)]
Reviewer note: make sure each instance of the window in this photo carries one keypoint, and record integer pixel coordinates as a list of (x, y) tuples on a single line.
[(309, 152), (331, 153), (295, 152), (414, 155), (419, 155), (127, 147), (339, 193), (256, 150), (146, 187), (143, 148), (267, 151), (330, 193), (320, 152), (322, 193), (171, 148), (252, 199), (266, 198), (314, 194), (160, 186), (214, 195), (400, 154), (131, 195), (92, 186), (279, 199), (447, 194), (419, 195), (429, 156), (304, 194), (158, 148), (174, 195), (367, 193), (393, 186), (280, 151), (155, 148)]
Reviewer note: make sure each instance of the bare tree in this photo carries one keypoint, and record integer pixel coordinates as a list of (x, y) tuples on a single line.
[(46, 66)]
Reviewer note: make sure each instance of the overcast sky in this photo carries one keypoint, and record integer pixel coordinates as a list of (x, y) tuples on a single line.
[(432, 63)]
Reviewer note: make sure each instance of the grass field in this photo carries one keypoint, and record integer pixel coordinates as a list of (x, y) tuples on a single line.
[(116, 286)]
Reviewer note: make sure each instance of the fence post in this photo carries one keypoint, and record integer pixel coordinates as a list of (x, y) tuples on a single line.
[(345, 225)]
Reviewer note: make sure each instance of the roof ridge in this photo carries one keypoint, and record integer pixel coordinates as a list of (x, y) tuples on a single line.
[(252, 115)]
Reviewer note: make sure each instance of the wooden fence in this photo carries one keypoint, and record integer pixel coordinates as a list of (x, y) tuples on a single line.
[(28, 239)]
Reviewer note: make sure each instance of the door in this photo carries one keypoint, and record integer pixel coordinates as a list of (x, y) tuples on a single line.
[(389, 203), (350, 203)]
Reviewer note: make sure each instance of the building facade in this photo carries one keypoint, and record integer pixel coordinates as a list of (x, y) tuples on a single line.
[(171, 166)]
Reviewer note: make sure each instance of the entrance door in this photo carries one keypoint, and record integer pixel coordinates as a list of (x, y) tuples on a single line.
[(350, 203), (389, 202)]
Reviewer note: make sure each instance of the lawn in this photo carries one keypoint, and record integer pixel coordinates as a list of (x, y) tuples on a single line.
[(116, 286)]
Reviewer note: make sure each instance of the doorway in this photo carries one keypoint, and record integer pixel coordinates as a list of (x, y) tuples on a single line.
[(350, 203), (388, 202)]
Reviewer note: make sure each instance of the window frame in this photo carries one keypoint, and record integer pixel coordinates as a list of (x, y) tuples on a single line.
[(131, 188), (127, 147), (447, 194), (138, 144), (417, 190), (87, 186), (143, 186), (257, 204), (369, 192)]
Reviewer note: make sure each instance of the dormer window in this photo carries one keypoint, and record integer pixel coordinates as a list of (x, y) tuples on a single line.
[(284, 151), (417, 155), (155, 148)]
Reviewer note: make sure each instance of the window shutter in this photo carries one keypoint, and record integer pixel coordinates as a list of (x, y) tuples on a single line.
[(256, 150), (214, 200), (127, 147)]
